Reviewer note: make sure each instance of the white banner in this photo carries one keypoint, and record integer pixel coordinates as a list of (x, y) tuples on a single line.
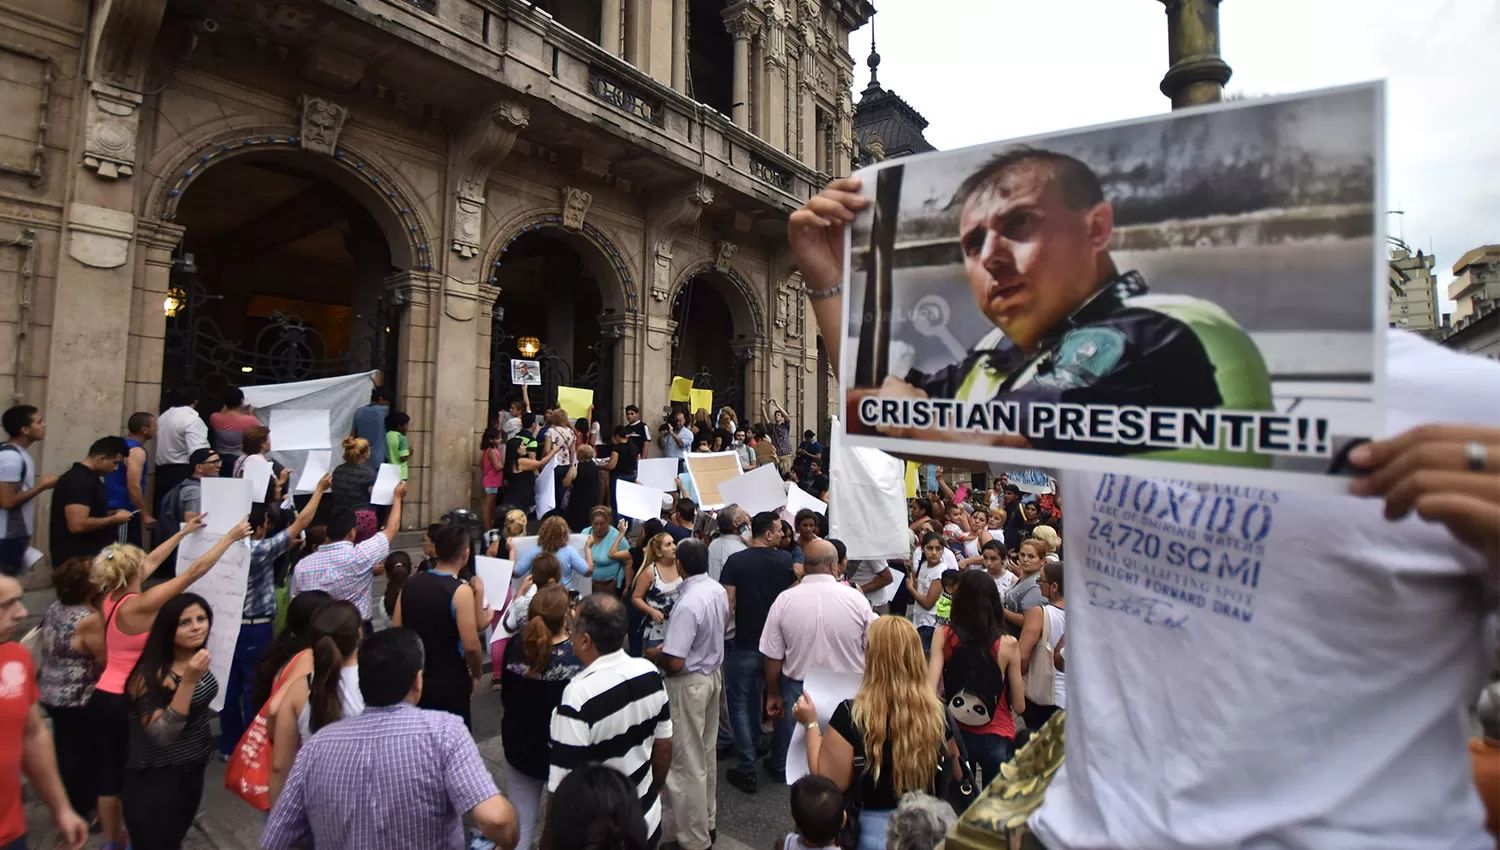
[(224, 589), (339, 396)]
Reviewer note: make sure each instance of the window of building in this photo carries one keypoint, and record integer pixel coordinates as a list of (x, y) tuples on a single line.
[(582, 18), (710, 56)]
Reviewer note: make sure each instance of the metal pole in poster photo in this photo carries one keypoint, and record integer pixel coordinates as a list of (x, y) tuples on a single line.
[(875, 330)]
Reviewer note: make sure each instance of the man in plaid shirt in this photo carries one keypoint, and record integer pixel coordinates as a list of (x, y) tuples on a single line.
[(344, 570), (259, 615)]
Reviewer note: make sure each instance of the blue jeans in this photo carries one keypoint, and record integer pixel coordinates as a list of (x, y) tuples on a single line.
[(239, 710), (872, 824), (791, 691), (989, 751), (925, 633), (744, 679)]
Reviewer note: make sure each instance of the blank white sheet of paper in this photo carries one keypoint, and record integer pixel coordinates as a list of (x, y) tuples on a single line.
[(298, 429), (225, 501), (313, 469), (384, 491)]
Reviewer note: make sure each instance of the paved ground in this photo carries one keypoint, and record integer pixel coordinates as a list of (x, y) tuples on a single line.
[(227, 823)]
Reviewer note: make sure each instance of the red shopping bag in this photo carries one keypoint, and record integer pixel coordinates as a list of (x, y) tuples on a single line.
[(248, 775)]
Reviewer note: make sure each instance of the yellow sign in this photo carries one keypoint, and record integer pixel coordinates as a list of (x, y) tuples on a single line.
[(701, 400), (575, 401), (911, 480), (682, 389)]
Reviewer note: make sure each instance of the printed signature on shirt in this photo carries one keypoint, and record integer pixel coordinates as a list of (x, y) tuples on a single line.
[(1152, 612)]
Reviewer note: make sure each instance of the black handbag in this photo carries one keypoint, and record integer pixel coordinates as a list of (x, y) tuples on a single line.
[(960, 791)]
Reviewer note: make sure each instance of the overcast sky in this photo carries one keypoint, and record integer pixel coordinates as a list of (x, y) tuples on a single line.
[(986, 70)]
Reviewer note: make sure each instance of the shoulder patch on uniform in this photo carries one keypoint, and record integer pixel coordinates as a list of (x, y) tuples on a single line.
[(1084, 356)]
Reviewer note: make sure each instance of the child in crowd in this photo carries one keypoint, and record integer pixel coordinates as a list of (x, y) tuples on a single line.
[(817, 812), (945, 602), (954, 532)]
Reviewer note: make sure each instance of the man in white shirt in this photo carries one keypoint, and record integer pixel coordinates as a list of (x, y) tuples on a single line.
[(180, 431), (817, 624), (19, 485), (677, 440), (1313, 692)]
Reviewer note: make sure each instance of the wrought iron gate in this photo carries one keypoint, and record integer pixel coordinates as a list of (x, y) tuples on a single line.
[(557, 371), (197, 352)]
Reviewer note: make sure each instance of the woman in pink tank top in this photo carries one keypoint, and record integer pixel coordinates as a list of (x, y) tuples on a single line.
[(117, 574), (492, 466)]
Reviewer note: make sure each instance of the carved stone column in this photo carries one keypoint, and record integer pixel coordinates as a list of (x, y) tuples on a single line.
[(1196, 74), (679, 45), (744, 20), (609, 26), (807, 108), (416, 342)]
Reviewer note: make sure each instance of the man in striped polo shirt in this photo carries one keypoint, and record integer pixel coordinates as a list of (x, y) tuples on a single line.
[(615, 712)]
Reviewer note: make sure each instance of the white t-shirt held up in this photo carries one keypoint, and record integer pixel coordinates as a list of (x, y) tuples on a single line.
[(1250, 668)]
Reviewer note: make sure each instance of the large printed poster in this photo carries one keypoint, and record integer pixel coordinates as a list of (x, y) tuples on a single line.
[(1205, 288)]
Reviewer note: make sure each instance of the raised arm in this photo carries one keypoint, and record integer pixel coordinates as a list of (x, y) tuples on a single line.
[(191, 523), (393, 519), (137, 613), (305, 516)]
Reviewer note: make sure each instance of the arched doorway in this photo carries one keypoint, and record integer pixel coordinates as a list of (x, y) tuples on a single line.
[(556, 306), (713, 340), (281, 276)]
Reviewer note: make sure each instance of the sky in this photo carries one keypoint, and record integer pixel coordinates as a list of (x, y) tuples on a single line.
[(987, 70)]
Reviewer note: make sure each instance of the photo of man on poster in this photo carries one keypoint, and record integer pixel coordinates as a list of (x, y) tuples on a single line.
[(1034, 229)]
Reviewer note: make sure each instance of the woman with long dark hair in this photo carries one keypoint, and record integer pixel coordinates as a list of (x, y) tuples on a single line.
[(976, 668), (538, 665), (170, 740), (129, 609), (329, 693), (290, 642)]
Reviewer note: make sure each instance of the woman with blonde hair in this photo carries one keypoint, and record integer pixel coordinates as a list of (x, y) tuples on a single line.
[(552, 538), (1048, 535), (657, 583), (895, 721), (352, 482), (117, 574)]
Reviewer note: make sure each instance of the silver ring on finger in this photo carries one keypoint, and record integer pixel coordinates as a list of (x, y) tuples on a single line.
[(1478, 456)]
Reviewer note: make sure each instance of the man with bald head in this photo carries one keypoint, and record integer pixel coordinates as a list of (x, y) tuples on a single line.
[(817, 625), (25, 742)]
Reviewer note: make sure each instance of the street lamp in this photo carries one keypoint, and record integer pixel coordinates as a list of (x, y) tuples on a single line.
[(529, 346), (176, 299)]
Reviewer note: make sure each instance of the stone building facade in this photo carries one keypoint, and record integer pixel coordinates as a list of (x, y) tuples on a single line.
[(213, 192)]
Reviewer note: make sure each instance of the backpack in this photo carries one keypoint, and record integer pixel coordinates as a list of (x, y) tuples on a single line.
[(974, 682), (16, 522), (170, 519)]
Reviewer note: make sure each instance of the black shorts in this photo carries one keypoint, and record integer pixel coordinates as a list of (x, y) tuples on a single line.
[(112, 741)]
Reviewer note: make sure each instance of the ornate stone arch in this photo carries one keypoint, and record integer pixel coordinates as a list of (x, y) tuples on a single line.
[(381, 193), (625, 296), (740, 285)]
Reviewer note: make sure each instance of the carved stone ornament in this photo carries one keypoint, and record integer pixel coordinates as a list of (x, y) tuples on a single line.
[(575, 205), (791, 306), (322, 121), (476, 151), (668, 216), (661, 271), (99, 237), (743, 21), (725, 257), (113, 122)]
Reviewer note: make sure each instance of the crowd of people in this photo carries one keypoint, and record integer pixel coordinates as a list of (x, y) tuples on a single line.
[(702, 622), (628, 666)]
